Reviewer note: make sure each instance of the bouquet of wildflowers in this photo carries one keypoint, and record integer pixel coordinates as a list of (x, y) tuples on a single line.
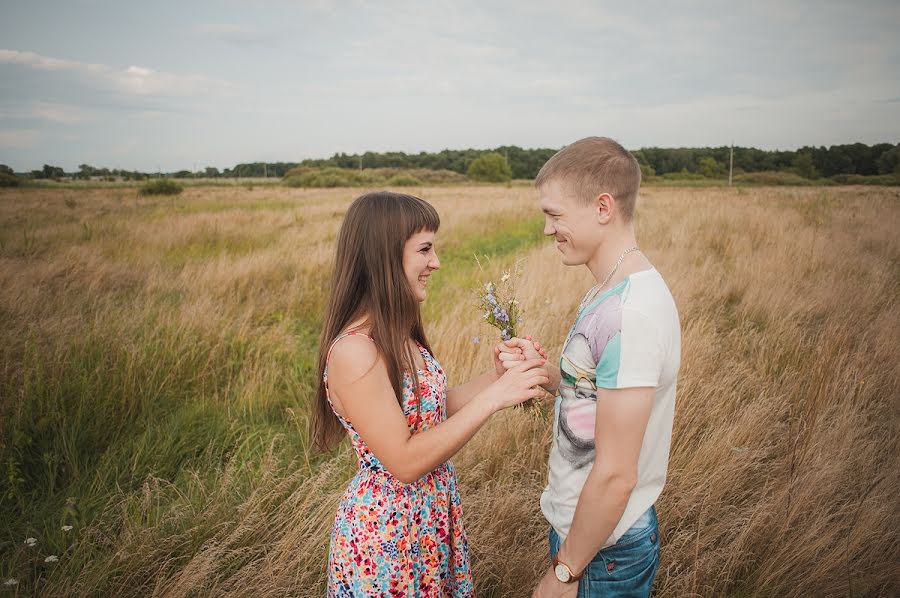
[(501, 309), (499, 305)]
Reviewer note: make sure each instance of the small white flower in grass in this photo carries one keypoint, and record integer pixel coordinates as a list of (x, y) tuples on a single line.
[(11, 582), (476, 340), (31, 542), (51, 559), (505, 277), (67, 528)]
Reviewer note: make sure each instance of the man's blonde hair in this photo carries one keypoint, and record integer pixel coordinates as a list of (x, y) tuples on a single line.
[(592, 166)]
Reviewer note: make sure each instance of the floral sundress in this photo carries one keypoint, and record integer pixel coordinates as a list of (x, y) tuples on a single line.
[(396, 539)]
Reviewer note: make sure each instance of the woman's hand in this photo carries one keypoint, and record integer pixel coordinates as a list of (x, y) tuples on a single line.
[(508, 354), (518, 384)]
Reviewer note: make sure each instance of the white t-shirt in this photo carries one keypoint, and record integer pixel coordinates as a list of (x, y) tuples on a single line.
[(627, 337)]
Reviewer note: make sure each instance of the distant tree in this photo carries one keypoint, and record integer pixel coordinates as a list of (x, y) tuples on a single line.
[(491, 167), (211, 172), (85, 171), (804, 166), (8, 177), (52, 172), (889, 161), (710, 167), (646, 169)]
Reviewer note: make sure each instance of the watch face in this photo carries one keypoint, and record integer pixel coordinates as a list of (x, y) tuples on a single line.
[(562, 573)]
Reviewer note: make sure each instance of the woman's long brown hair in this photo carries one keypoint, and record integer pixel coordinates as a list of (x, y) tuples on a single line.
[(368, 279)]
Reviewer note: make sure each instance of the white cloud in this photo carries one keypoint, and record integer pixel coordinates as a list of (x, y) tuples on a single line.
[(18, 138), (61, 113), (45, 62), (134, 80)]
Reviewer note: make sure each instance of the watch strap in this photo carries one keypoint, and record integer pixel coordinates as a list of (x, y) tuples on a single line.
[(573, 578)]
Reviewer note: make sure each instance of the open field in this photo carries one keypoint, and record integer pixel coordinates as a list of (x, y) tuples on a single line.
[(157, 360)]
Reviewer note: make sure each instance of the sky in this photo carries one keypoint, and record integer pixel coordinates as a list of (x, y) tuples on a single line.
[(184, 85)]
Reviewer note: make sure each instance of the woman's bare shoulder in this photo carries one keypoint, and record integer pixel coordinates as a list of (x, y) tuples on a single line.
[(352, 357)]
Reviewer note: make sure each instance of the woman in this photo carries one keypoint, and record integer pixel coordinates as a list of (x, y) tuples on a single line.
[(398, 529)]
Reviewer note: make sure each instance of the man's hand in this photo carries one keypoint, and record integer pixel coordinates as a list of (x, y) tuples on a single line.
[(509, 354), (550, 587)]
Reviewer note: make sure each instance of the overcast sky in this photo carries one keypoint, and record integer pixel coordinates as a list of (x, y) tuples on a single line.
[(179, 85)]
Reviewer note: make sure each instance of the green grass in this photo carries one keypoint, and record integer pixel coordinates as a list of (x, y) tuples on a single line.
[(208, 243), (99, 415)]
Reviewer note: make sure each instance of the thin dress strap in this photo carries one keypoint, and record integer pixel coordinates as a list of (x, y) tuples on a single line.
[(328, 357), (344, 335)]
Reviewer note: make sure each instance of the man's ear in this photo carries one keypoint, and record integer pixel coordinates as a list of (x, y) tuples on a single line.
[(605, 205)]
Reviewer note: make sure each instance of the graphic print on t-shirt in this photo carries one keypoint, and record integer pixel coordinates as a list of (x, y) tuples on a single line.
[(596, 330)]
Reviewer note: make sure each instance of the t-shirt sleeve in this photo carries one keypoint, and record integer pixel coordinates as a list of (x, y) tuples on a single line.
[(634, 356)]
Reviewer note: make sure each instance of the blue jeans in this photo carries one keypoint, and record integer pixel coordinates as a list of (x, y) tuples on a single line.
[(626, 568)]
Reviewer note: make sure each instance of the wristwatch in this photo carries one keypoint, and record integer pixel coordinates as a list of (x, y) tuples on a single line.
[(563, 573)]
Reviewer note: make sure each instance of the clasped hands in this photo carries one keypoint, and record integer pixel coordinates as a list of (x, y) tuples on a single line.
[(511, 353)]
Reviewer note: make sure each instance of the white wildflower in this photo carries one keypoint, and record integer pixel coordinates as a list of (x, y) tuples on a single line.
[(67, 528), (505, 277), (11, 582), (31, 542), (476, 340), (51, 559)]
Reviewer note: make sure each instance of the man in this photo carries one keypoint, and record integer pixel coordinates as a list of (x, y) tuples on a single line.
[(616, 383)]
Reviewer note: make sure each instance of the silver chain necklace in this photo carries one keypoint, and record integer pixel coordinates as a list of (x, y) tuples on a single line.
[(593, 290)]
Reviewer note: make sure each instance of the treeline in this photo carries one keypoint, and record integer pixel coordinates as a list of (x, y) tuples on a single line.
[(808, 162), (524, 163)]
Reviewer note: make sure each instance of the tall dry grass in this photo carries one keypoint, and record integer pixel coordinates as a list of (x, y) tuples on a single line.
[(157, 364)]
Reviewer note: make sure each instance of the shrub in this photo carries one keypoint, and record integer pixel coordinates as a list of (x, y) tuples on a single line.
[(161, 187), (403, 180), (492, 168), (684, 175), (710, 167), (774, 178), (323, 178), (9, 180), (440, 177), (330, 176), (859, 179), (647, 171)]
